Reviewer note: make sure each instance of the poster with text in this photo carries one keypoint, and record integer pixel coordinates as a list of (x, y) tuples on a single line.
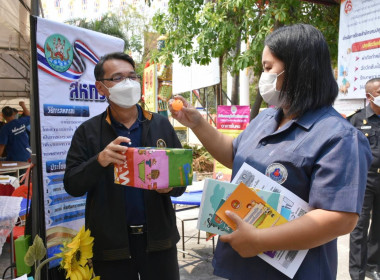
[(359, 46), (66, 57), (231, 120), (150, 88)]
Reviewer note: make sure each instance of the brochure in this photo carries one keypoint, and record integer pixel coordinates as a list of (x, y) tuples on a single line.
[(254, 179), (287, 262), (214, 194), (251, 208)]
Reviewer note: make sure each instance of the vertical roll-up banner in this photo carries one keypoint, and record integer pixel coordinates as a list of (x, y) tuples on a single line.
[(359, 47), (66, 57), (231, 120), (150, 88)]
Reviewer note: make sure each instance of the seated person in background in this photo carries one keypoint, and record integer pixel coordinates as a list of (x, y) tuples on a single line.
[(13, 136)]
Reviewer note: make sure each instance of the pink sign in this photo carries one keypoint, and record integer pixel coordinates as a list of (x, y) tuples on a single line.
[(234, 117)]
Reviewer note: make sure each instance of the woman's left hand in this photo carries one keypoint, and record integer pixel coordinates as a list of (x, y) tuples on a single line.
[(245, 239)]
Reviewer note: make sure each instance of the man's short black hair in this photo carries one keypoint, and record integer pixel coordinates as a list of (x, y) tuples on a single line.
[(99, 71), (371, 81), (7, 112), (309, 81)]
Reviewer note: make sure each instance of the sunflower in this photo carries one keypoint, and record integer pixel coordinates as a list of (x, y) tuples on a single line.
[(93, 275), (76, 254)]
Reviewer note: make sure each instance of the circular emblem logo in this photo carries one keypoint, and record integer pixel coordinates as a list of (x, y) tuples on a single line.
[(161, 143), (58, 52), (348, 7), (218, 220), (233, 109), (235, 204), (277, 172)]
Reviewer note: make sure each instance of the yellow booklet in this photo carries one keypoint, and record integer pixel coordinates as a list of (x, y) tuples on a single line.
[(251, 208)]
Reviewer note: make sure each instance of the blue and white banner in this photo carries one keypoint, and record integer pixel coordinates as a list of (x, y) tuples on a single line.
[(359, 46), (66, 56)]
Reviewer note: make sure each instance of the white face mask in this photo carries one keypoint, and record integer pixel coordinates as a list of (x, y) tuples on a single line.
[(125, 94), (376, 100), (267, 87)]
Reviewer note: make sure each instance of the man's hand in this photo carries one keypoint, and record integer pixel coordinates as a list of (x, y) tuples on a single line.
[(164, 190), (114, 152), (245, 239), (25, 110)]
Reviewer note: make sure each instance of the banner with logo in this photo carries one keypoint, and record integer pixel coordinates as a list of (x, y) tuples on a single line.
[(359, 47), (150, 87), (66, 56), (231, 120)]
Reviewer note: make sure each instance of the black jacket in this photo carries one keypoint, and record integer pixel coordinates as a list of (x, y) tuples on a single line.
[(105, 210), (367, 122)]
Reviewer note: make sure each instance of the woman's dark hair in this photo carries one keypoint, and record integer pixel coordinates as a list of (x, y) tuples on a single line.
[(99, 71), (309, 82)]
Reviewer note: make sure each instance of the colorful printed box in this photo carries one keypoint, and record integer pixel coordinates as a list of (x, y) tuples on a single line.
[(155, 168)]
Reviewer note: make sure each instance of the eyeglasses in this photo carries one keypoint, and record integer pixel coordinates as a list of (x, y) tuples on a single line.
[(120, 78)]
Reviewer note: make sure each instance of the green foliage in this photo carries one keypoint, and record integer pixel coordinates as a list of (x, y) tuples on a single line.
[(202, 160), (198, 150), (217, 26), (35, 252), (128, 25), (108, 24)]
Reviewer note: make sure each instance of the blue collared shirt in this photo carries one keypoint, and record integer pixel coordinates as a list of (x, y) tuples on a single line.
[(321, 158), (13, 135), (135, 205)]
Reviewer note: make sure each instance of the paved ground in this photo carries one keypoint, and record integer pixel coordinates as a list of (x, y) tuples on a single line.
[(191, 267)]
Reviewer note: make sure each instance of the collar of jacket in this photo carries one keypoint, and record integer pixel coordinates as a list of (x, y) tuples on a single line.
[(369, 112), (147, 115)]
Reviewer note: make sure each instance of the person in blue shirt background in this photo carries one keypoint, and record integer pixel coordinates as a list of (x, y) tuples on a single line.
[(13, 136), (318, 155)]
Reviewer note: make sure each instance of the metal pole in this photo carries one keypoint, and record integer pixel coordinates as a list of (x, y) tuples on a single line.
[(38, 215), (35, 8)]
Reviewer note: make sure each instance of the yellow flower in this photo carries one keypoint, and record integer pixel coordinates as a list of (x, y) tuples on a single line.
[(93, 275), (80, 273), (76, 254)]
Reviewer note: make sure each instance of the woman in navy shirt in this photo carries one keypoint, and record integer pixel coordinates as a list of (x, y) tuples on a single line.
[(303, 144)]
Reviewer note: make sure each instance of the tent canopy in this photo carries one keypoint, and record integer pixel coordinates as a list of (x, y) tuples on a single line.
[(14, 52)]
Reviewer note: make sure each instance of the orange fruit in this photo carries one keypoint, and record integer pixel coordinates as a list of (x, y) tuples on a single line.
[(177, 105)]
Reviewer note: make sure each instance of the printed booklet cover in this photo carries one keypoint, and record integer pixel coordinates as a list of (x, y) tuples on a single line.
[(214, 194), (251, 208), (155, 168), (293, 207)]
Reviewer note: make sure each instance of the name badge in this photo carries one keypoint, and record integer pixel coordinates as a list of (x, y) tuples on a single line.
[(366, 127)]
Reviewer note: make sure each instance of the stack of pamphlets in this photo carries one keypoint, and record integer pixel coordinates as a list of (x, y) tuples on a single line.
[(258, 200)]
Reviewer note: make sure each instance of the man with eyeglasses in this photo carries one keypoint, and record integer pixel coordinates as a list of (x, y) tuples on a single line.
[(134, 229), (364, 244)]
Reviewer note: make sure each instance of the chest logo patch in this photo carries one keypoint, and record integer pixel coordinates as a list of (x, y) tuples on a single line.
[(161, 143), (277, 172)]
